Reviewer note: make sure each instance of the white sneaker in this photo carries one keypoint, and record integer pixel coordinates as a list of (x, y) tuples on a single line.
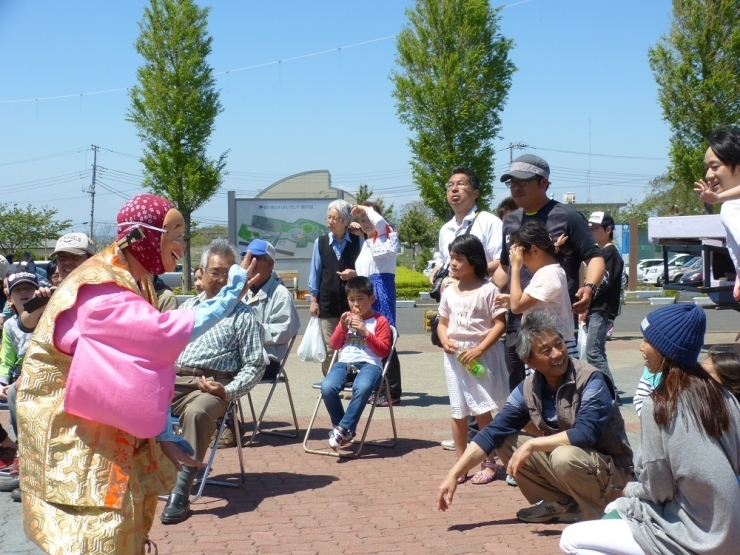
[(448, 445)]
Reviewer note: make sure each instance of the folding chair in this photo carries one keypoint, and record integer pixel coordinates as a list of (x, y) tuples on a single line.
[(233, 411), (384, 386), (280, 377)]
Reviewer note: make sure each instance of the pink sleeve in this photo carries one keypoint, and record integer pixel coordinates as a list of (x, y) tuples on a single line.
[(122, 370)]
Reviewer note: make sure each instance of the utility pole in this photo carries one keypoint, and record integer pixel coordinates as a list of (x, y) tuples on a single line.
[(511, 148), (91, 189)]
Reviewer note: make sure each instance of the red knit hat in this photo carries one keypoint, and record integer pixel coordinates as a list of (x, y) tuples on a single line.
[(147, 212)]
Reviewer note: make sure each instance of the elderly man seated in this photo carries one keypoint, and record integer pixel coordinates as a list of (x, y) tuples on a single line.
[(273, 305), (220, 366), (579, 458)]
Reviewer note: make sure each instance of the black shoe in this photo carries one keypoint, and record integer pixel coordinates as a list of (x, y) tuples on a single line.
[(177, 509), (9, 483), (15, 495)]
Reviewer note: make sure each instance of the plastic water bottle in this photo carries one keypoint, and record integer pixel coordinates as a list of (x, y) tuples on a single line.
[(474, 367)]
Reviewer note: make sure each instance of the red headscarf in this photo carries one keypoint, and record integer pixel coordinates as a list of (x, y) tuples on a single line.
[(146, 212)]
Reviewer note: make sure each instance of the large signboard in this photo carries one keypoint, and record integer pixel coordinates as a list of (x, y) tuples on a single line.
[(291, 225), (622, 239)]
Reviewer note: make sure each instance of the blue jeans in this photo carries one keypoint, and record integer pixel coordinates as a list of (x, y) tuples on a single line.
[(367, 380), (598, 325)]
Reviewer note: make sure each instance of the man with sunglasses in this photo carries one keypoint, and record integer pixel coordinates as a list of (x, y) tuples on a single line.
[(220, 366), (529, 178)]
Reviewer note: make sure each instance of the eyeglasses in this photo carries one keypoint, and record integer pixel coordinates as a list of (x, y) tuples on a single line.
[(521, 182), (333, 219), (459, 184), (216, 275)]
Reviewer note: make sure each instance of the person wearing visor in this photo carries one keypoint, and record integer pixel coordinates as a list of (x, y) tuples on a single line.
[(529, 178), (96, 446)]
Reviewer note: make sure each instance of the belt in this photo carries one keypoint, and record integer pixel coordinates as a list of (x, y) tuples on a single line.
[(203, 373)]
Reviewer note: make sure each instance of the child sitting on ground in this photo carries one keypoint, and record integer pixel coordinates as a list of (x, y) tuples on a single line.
[(365, 339)]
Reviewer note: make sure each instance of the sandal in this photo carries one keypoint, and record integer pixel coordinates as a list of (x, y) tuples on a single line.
[(462, 479), (481, 477)]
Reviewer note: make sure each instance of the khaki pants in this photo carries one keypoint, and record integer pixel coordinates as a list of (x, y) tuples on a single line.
[(328, 325), (583, 475), (198, 412)]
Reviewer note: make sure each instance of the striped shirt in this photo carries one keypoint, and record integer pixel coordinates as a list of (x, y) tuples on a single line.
[(233, 345)]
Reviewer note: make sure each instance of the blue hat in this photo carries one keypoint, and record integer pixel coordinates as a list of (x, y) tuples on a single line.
[(676, 331), (258, 247), (16, 278)]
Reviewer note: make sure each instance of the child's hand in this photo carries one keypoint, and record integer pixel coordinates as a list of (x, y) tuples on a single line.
[(344, 320), (502, 300), (449, 347), (468, 355), (358, 324), (515, 256)]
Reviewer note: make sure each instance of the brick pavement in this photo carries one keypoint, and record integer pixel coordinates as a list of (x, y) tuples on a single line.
[(293, 502)]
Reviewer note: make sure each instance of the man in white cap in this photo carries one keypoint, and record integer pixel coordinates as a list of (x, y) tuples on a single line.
[(529, 178), (273, 305), (70, 252)]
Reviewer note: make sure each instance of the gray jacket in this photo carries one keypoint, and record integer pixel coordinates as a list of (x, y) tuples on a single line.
[(273, 306), (687, 499)]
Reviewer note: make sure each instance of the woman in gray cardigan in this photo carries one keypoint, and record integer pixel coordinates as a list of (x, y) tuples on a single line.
[(686, 499)]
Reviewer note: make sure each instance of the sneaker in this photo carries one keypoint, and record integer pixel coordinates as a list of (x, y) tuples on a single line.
[(15, 467), (227, 438), (7, 456), (371, 400), (382, 401), (448, 445), (339, 438), (548, 512), (511, 481)]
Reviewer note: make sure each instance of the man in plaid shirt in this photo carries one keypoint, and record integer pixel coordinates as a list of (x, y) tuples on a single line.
[(220, 366)]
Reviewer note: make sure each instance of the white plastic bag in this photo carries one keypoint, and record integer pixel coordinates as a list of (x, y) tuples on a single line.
[(312, 347), (582, 338)]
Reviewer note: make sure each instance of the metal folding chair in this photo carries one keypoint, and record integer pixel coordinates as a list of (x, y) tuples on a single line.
[(281, 377), (382, 387), (233, 411)]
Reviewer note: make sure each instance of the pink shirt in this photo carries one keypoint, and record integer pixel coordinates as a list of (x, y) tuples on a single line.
[(470, 314)]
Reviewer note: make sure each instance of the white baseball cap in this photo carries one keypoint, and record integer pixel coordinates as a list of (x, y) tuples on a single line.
[(75, 243)]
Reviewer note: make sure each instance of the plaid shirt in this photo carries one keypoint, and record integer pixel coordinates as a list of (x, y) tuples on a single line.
[(233, 345)]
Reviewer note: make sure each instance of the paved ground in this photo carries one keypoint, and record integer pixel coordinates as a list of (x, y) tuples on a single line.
[(293, 502)]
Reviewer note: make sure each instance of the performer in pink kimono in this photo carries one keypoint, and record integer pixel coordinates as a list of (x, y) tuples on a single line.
[(96, 386)]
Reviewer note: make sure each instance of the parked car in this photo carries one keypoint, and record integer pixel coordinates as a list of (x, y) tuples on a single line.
[(174, 279), (429, 267), (644, 265), (694, 277), (678, 273), (655, 274)]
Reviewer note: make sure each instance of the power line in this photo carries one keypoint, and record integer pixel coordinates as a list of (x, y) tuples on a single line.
[(45, 157), (599, 155)]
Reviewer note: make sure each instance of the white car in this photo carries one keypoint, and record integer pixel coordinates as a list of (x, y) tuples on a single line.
[(654, 273)]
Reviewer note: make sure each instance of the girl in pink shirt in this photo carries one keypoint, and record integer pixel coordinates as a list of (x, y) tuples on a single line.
[(470, 328)]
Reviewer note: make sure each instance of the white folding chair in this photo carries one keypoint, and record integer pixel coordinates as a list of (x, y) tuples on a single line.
[(233, 412), (280, 377), (382, 387)]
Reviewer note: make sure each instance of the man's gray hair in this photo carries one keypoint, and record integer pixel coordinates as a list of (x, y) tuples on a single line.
[(220, 247), (344, 209), (536, 325)]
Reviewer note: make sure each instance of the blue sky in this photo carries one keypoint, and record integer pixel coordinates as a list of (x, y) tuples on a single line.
[(583, 83)]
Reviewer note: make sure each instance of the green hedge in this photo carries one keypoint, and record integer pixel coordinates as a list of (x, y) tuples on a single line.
[(409, 283)]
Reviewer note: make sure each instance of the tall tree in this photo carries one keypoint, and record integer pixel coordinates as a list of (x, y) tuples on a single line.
[(27, 228), (418, 226), (174, 108), (454, 75), (697, 68), (366, 193)]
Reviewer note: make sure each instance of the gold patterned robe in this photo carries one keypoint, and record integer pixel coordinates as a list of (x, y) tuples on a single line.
[(87, 487)]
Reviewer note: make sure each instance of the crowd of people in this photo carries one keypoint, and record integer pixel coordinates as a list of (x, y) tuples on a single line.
[(525, 404)]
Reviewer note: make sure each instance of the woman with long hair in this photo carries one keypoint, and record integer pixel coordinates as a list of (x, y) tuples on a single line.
[(686, 499)]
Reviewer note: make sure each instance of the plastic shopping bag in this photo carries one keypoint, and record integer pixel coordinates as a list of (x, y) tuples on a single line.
[(582, 338), (312, 347)]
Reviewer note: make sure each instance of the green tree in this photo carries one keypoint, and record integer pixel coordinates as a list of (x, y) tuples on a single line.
[(452, 84), (174, 108), (27, 228), (366, 193), (418, 226), (697, 68), (661, 196)]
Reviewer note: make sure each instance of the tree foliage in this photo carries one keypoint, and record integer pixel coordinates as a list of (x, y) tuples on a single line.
[(453, 78), (661, 197), (27, 228), (366, 193), (174, 108), (697, 68), (419, 225)]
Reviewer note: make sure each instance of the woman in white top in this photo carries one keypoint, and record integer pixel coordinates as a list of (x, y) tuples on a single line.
[(722, 163), (377, 261)]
